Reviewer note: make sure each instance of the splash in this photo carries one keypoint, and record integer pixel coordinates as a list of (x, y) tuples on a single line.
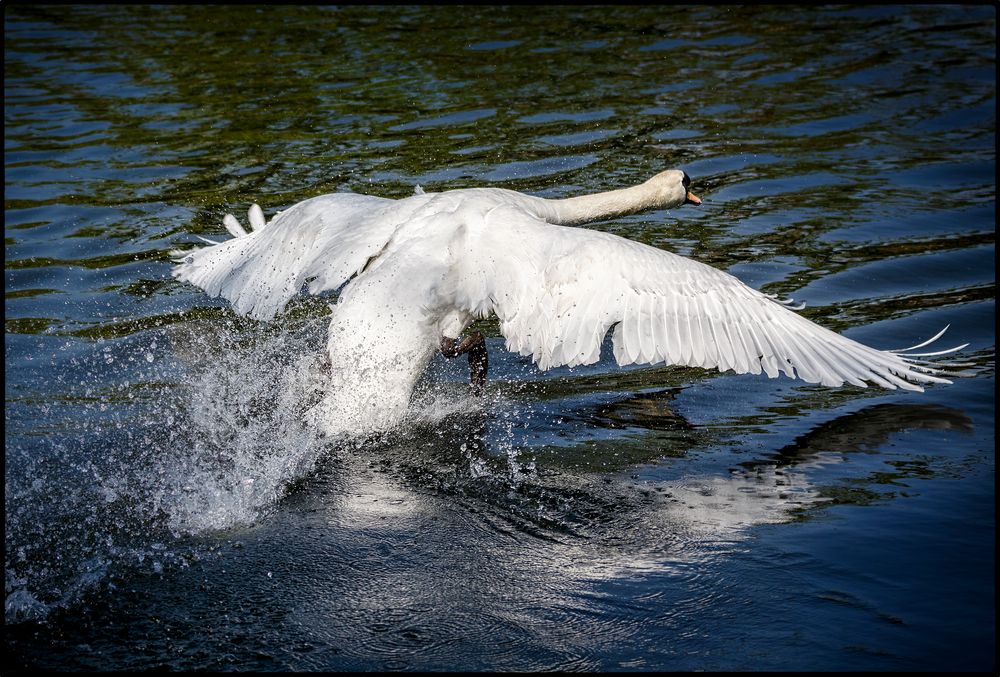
[(246, 437), (133, 474)]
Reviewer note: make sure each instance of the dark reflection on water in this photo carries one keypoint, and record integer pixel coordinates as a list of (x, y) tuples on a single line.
[(870, 429), (165, 504)]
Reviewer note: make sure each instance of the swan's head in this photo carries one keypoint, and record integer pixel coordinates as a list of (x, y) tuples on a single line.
[(670, 189)]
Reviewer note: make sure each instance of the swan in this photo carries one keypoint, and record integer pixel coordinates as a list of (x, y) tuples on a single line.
[(414, 273)]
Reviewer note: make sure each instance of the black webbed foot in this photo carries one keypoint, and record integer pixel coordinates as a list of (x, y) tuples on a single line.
[(475, 345)]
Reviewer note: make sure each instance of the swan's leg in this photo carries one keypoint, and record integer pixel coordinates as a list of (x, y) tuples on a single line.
[(479, 361)]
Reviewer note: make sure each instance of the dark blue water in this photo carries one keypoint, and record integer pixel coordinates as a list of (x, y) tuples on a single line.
[(165, 507)]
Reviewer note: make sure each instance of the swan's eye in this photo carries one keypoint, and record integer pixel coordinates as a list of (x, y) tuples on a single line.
[(686, 181)]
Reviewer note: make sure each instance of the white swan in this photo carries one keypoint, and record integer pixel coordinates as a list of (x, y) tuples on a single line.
[(421, 269)]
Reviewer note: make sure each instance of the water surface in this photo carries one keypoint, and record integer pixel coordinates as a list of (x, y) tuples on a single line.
[(165, 505)]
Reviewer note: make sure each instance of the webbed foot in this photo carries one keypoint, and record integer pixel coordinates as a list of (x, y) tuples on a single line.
[(475, 345)]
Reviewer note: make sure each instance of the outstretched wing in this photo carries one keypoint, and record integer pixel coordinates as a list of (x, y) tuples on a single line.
[(557, 291), (325, 241)]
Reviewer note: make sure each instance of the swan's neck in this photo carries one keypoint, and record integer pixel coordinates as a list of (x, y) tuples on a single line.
[(574, 211)]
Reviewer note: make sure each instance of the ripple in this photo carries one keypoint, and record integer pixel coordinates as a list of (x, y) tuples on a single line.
[(959, 268), (536, 168), (456, 119), (566, 116)]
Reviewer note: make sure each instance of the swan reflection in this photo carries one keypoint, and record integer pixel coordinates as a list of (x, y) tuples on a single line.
[(605, 513)]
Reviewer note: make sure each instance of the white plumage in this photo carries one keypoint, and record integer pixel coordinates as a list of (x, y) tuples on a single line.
[(426, 266)]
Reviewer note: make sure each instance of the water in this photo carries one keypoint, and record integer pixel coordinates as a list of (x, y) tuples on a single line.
[(166, 507)]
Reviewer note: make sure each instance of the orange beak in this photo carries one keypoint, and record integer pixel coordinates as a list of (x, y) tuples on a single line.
[(692, 199)]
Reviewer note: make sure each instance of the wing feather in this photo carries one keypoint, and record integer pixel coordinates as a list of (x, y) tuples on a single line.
[(717, 349), (668, 317), (326, 239), (738, 337), (701, 333), (573, 284)]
